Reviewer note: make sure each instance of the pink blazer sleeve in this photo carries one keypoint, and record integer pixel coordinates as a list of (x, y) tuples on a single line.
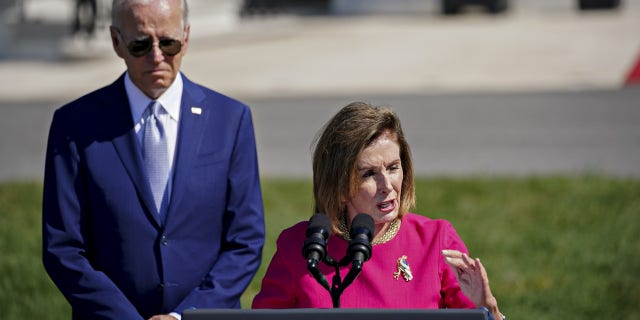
[(452, 294), (281, 277)]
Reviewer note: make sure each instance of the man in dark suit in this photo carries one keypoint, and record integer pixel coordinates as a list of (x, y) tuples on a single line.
[(152, 201)]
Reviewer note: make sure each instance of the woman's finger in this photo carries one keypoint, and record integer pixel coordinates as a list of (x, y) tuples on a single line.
[(469, 263)]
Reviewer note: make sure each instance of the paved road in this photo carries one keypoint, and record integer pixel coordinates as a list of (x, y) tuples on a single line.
[(534, 91), (482, 133), (450, 134)]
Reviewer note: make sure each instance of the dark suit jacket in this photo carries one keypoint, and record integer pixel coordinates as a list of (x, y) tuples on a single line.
[(103, 244)]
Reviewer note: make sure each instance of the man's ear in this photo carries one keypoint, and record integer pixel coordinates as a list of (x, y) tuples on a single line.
[(186, 35), (118, 46)]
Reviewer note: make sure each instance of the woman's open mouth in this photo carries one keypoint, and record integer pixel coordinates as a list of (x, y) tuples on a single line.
[(386, 206)]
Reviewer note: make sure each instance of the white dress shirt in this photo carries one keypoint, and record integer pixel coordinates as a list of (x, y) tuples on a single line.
[(170, 101)]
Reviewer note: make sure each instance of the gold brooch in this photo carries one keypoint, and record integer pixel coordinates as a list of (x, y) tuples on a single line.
[(403, 269)]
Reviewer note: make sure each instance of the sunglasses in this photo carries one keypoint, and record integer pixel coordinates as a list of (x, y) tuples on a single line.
[(141, 47)]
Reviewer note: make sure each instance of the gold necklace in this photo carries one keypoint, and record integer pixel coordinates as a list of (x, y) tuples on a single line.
[(388, 235)]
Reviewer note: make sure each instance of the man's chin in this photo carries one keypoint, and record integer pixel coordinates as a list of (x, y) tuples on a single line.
[(158, 86), (155, 91)]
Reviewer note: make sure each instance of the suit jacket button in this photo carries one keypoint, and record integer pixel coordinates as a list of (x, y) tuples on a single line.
[(160, 287), (164, 240)]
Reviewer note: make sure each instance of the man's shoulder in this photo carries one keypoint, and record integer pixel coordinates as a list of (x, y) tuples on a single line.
[(95, 111), (100, 96), (202, 92)]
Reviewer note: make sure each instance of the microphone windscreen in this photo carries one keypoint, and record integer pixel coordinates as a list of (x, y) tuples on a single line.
[(319, 221), (362, 221)]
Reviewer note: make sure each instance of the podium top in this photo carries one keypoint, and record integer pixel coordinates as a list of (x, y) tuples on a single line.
[(334, 314)]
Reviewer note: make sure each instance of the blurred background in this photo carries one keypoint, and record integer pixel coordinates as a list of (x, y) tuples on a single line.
[(497, 87), (522, 115)]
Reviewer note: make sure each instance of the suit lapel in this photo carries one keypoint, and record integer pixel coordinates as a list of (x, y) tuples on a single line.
[(129, 150), (193, 119)]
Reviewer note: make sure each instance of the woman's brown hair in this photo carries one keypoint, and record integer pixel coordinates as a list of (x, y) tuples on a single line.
[(337, 147)]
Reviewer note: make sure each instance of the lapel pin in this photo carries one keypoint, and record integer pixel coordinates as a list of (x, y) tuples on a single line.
[(196, 110), (403, 269)]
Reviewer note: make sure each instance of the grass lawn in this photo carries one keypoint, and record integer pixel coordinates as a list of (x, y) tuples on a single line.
[(555, 247)]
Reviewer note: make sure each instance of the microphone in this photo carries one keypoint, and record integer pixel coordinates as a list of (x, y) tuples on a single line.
[(359, 249), (314, 248), (318, 231), (361, 233)]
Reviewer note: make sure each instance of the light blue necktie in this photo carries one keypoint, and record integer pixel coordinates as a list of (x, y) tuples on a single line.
[(155, 152)]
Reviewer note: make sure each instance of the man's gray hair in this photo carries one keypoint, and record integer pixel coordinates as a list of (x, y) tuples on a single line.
[(118, 5)]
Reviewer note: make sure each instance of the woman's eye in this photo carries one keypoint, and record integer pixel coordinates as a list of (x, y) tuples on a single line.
[(367, 174)]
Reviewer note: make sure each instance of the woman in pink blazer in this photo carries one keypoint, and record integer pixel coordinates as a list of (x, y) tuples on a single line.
[(362, 164)]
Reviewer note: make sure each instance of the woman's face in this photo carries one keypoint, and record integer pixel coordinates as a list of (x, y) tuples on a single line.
[(380, 181)]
